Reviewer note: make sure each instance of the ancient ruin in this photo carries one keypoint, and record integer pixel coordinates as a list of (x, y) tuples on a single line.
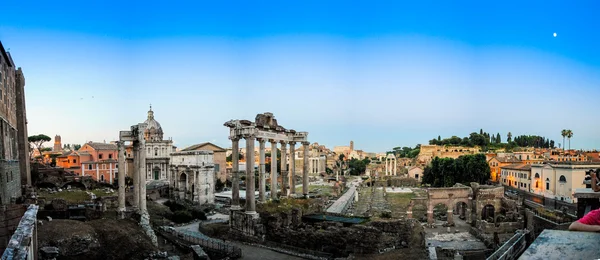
[(264, 128), (136, 137), (390, 165)]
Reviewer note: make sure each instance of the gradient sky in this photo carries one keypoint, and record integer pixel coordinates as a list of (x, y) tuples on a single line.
[(383, 74)]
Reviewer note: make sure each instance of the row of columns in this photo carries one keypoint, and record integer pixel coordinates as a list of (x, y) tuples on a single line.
[(287, 176), (139, 175), (390, 166)]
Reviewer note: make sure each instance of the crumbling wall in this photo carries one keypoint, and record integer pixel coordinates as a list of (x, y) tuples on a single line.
[(333, 238), (10, 215)]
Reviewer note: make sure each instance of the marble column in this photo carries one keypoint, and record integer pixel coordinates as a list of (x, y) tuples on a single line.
[(273, 169), (292, 174), (387, 162), (235, 178), (283, 168), (121, 177), (395, 167), (261, 170), (250, 197), (136, 175), (305, 170), (143, 174)]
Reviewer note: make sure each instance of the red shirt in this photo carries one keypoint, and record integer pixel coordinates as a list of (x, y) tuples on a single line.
[(592, 218)]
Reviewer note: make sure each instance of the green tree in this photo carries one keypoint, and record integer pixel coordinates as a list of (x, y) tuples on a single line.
[(230, 157), (38, 141), (569, 135), (76, 147), (509, 137), (445, 172), (563, 133), (498, 138)]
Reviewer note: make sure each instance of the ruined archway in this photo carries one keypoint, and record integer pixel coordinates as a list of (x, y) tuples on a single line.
[(460, 209), (182, 181), (417, 209), (488, 213), (440, 212), (449, 197)]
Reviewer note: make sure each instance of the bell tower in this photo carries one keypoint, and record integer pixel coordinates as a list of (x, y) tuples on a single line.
[(57, 144)]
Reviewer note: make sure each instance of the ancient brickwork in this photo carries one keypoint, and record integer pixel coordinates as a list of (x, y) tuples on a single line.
[(10, 215), (10, 181)]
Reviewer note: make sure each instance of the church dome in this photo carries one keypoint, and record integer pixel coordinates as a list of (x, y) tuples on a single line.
[(153, 131)]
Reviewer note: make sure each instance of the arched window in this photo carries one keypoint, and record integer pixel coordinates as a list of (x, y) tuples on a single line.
[(547, 183), (537, 175), (562, 179)]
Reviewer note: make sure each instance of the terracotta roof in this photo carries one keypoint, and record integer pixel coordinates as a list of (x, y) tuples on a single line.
[(197, 146), (518, 166), (507, 159), (102, 146)]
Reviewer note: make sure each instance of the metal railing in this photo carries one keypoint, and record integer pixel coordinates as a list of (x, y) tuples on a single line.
[(205, 242), (513, 248)]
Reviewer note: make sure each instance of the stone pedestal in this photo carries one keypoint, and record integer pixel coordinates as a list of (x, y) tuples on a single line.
[(450, 215), (246, 223)]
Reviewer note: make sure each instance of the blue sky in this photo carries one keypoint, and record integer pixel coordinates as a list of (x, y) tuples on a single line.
[(383, 74)]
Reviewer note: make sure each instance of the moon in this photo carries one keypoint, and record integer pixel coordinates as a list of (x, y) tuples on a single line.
[(555, 35)]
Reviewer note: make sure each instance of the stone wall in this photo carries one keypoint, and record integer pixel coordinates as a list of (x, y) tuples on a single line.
[(333, 238), (10, 215), (500, 228), (10, 181)]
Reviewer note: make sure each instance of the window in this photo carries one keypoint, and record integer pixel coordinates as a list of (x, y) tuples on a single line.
[(100, 156), (562, 179), (89, 166), (416, 176), (217, 167), (110, 156), (74, 160)]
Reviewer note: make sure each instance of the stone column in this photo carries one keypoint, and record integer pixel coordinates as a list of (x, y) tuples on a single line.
[(283, 168), (273, 169), (235, 178), (250, 198), (387, 162), (121, 167), (292, 170), (430, 219), (469, 211), (261, 171), (136, 175), (450, 212), (395, 167), (305, 170), (195, 195), (143, 174)]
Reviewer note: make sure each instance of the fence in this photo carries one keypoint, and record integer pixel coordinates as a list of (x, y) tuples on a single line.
[(298, 250), (512, 249), (205, 242), (531, 199)]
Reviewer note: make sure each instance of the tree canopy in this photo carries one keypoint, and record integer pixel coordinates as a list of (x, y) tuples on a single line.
[(445, 172), (358, 167), (490, 141), (38, 141)]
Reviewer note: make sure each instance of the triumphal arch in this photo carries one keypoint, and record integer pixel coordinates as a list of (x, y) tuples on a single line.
[(459, 197)]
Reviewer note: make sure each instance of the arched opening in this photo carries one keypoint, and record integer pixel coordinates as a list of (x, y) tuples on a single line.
[(440, 212), (547, 183), (183, 182), (562, 179), (419, 212), (487, 213), (460, 209)]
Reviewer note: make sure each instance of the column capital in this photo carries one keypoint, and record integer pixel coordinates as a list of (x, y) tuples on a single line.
[(249, 136), (305, 143), (283, 142), (292, 143), (261, 140), (234, 138), (273, 141)]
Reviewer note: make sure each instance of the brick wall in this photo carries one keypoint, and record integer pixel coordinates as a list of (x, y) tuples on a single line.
[(10, 181), (10, 216)]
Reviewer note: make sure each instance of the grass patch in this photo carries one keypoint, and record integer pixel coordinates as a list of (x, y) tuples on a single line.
[(284, 205), (74, 196), (321, 189), (399, 203)]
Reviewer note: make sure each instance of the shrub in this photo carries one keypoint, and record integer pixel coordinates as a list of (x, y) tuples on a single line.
[(182, 216)]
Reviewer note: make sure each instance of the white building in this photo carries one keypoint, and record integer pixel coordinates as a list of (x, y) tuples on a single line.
[(558, 180), (158, 151), (193, 175)]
